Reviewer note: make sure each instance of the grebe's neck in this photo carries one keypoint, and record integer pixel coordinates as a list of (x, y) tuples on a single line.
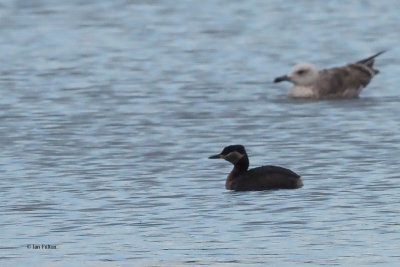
[(242, 165), (239, 168)]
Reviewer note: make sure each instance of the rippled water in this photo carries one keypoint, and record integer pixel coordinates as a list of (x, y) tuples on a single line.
[(109, 110)]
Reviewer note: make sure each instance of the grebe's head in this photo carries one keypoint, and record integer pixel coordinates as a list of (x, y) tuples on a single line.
[(231, 153), (302, 74)]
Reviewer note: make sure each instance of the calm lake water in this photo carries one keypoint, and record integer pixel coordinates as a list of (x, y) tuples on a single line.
[(109, 110)]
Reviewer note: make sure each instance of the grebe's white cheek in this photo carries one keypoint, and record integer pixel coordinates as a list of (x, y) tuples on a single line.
[(233, 157)]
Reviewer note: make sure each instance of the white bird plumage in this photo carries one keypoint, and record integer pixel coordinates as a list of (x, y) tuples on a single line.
[(340, 82)]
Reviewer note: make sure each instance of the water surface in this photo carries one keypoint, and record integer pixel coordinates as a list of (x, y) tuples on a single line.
[(109, 110)]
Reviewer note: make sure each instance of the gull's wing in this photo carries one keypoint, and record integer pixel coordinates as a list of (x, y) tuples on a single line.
[(347, 81)]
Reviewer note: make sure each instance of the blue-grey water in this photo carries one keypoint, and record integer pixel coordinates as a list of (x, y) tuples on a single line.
[(109, 110)]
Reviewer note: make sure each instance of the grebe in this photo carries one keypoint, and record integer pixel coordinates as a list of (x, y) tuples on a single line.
[(261, 178)]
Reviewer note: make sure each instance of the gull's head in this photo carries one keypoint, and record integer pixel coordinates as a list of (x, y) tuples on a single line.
[(302, 74)]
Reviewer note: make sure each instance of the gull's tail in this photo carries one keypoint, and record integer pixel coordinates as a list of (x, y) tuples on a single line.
[(370, 60)]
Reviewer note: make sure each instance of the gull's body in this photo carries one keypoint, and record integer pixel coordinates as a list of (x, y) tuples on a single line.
[(340, 82)]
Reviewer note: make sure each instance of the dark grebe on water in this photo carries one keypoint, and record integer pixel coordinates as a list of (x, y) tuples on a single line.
[(261, 178)]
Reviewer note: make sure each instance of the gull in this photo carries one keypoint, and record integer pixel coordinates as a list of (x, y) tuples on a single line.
[(340, 82)]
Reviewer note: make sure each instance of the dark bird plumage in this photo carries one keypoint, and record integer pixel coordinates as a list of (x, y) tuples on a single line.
[(261, 178)]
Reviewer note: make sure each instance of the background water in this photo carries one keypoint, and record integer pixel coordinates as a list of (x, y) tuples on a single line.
[(109, 110)]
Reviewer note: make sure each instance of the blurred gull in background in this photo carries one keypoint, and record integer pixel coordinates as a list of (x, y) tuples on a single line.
[(340, 82)]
